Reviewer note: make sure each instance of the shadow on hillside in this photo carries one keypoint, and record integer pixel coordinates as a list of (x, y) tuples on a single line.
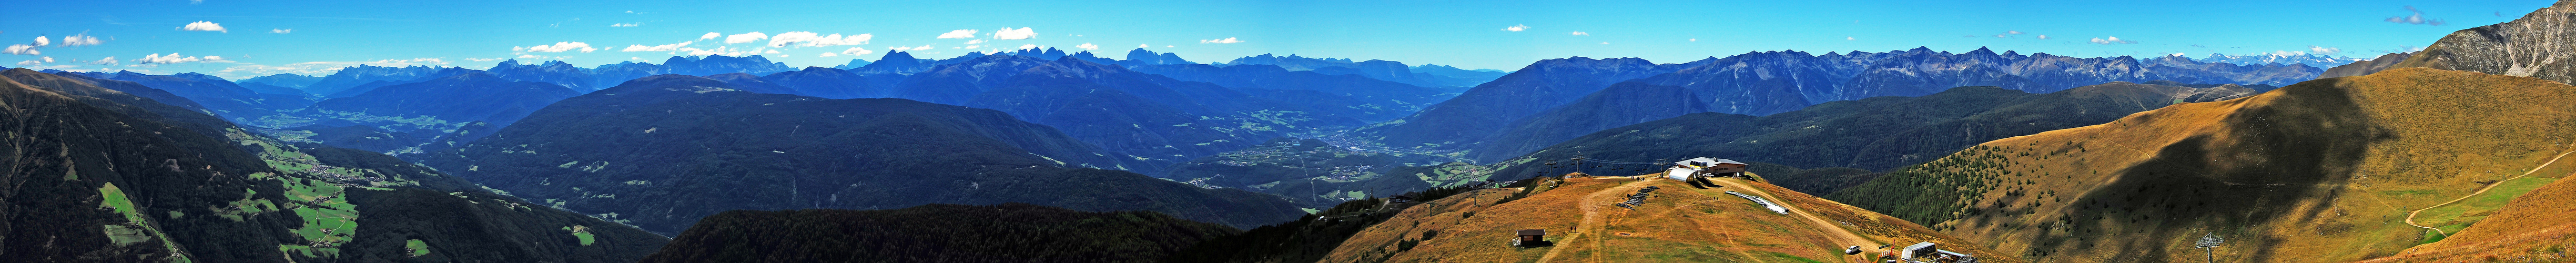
[(2262, 168)]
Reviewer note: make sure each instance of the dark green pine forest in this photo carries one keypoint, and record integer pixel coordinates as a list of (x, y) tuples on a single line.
[(1008, 232), (104, 176)]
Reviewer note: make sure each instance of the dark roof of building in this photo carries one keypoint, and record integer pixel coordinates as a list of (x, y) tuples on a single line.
[(1533, 232)]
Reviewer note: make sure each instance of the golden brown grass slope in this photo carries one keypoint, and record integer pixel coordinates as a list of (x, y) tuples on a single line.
[(2535, 227), (1680, 223), (2320, 171)]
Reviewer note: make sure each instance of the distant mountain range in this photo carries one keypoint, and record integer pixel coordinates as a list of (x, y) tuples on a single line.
[(1761, 83), (1375, 69), (1376, 99), (2312, 60), (612, 74), (222, 98), (289, 80), (1484, 110), (2374, 65), (1147, 115), (661, 152), (373, 76)]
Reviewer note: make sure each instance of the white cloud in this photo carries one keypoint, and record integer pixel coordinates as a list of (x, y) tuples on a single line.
[(1581, 33), (1516, 28), (1028, 46), (960, 33), (420, 61), (41, 41), (828, 54), (769, 52), (481, 59), (856, 51), (281, 31), (1220, 41), (29, 63), (1014, 34), (173, 58), (81, 40), (204, 26), (1087, 46), (2112, 40), (660, 48), (810, 39), (22, 49), (972, 42), (727, 51), (1142, 46), (710, 35), (1850, 38), (1694, 40), (2043, 37), (2001, 36), (49, 59), (973, 47), (745, 38), (625, 25), (2417, 18), (2285, 53), (560, 47), (922, 47), (2180, 55), (530, 56), (111, 61), (2324, 50)]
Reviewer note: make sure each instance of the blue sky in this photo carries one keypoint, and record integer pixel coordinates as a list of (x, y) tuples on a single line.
[(267, 37)]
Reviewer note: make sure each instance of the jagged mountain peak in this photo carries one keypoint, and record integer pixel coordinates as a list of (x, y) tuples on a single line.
[(1580, 60), (2534, 45), (899, 55), (512, 63)]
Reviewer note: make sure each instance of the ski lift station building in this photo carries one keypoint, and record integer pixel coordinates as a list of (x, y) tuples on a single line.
[(1704, 166)]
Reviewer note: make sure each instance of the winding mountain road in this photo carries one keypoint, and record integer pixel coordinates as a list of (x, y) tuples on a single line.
[(2410, 215)]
